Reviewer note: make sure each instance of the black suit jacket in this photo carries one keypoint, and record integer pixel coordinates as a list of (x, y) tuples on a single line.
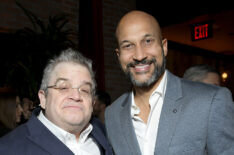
[(33, 138)]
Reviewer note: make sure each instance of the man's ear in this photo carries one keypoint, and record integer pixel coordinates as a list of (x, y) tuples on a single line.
[(42, 98), (164, 45), (94, 101), (117, 51)]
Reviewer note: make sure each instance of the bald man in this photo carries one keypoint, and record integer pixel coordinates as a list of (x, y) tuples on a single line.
[(163, 114)]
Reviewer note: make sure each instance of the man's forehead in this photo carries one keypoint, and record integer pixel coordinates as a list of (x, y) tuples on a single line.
[(137, 21), (67, 72)]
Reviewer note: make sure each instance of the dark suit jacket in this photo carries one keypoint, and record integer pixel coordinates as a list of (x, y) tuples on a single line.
[(195, 118), (33, 138), (3, 130)]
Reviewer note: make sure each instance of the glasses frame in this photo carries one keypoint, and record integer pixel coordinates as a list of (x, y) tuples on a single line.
[(77, 88)]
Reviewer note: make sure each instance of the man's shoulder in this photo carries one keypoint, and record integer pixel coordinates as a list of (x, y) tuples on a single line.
[(199, 86), (188, 84), (202, 90), (192, 89)]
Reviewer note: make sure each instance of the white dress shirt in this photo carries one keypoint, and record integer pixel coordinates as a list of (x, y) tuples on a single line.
[(85, 145), (147, 133)]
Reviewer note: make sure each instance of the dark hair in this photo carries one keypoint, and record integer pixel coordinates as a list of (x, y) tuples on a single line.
[(103, 97)]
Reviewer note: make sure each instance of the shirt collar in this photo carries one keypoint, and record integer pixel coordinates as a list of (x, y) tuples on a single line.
[(61, 134), (161, 89)]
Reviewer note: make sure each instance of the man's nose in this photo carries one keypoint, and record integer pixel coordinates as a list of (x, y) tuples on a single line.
[(139, 54), (75, 94)]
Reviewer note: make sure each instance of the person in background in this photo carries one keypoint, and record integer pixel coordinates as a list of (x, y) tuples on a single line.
[(102, 100), (164, 114), (62, 125), (10, 112), (27, 106), (203, 73)]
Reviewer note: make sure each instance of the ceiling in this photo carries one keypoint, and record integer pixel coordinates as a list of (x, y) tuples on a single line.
[(176, 19)]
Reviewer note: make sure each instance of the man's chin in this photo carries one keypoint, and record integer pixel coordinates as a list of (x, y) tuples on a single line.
[(141, 83), (141, 80)]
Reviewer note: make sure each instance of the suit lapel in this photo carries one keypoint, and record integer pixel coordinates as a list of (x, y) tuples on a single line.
[(99, 136), (169, 114), (127, 126), (42, 137)]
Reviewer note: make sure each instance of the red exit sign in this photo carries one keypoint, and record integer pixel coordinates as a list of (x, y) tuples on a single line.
[(201, 31)]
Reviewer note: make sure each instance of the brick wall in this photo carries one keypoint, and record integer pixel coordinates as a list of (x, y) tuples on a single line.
[(116, 83), (12, 18)]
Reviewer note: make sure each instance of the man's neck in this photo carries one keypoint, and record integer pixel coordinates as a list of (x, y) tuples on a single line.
[(141, 98)]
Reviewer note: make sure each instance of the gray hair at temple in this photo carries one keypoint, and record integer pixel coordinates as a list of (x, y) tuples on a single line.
[(68, 55), (199, 72)]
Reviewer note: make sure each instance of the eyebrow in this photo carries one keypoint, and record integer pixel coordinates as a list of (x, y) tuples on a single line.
[(87, 83), (145, 36), (148, 35)]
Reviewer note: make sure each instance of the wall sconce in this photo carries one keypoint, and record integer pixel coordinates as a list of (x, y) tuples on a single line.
[(224, 76)]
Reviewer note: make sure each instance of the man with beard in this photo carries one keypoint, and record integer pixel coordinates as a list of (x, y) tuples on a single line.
[(164, 115)]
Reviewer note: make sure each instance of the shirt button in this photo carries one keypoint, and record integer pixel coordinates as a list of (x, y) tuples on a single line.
[(134, 107), (174, 110)]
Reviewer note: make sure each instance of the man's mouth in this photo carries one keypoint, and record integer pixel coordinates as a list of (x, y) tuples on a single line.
[(75, 107), (142, 68)]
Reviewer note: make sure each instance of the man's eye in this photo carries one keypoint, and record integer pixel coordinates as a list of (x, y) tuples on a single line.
[(147, 41), (63, 88), (129, 45), (85, 91), (126, 46)]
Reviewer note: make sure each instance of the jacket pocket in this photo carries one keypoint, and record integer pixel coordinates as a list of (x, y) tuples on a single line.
[(189, 148)]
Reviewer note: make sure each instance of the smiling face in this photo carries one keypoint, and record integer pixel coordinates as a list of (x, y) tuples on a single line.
[(69, 109), (141, 50)]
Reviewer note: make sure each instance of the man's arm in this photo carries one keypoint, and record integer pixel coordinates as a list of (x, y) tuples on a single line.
[(220, 138)]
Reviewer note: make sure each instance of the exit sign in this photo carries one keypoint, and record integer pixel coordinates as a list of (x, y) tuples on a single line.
[(201, 31)]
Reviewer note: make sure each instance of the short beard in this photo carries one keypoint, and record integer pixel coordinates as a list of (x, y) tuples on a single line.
[(158, 72)]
